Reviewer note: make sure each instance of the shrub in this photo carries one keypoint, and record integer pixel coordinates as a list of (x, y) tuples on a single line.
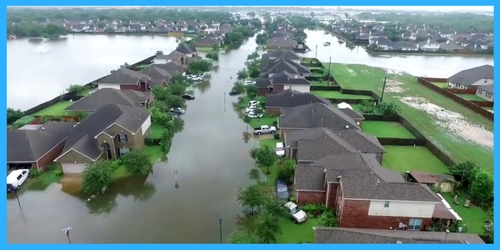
[(96, 177), (285, 171), (314, 209), (137, 162), (367, 107), (292, 198), (34, 172), (327, 219), (58, 172), (275, 123), (25, 120), (276, 136)]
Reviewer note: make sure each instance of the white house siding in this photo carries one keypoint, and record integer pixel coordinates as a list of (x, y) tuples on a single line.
[(483, 82), (402, 209), (159, 61), (145, 126), (108, 86), (73, 168), (485, 95), (300, 88)]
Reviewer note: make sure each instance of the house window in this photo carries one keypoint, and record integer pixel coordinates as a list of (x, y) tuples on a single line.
[(123, 137), (124, 151), (415, 224), (386, 204)]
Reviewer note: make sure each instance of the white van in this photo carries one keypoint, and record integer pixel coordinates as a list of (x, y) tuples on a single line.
[(16, 178)]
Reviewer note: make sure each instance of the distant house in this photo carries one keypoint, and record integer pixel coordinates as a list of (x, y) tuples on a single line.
[(36, 146), (124, 78), (282, 81), (161, 59), (278, 66), (451, 47), (485, 92), (173, 68), (159, 76), (338, 235), (207, 42), (103, 97), (376, 34), (187, 49), (429, 45), (281, 43), (109, 133), (364, 194), (174, 56), (281, 33), (309, 145), (290, 98), (382, 43), (279, 55), (405, 46), (471, 78)]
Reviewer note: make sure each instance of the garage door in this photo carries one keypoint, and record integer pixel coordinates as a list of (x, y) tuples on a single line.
[(73, 168)]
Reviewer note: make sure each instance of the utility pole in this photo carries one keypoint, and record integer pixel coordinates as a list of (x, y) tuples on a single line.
[(220, 231), (316, 54), (383, 89), (66, 231), (329, 68)]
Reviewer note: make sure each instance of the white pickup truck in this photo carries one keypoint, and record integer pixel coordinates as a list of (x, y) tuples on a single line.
[(264, 129)]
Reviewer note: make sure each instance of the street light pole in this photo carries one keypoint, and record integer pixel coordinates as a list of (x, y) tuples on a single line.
[(383, 89), (66, 231), (220, 230)]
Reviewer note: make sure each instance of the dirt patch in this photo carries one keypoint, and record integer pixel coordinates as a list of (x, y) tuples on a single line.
[(394, 72), (392, 86), (453, 122)]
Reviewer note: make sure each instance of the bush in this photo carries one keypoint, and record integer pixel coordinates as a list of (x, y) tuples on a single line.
[(314, 209), (276, 136), (327, 219), (114, 165), (25, 120), (367, 107), (34, 172), (137, 162), (96, 177), (275, 123), (285, 171), (481, 189), (152, 141), (58, 172), (292, 198)]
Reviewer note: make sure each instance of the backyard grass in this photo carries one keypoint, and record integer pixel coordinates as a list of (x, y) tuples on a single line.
[(472, 217), (320, 83), (296, 233), (386, 129), (409, 158), (119, 173), (47, 177), (273, 170), (157, 131), (54, 110), (338, 95), (442, 85), (471, 97), (355, 76), (154, 152), (204, 49), (266, 120)]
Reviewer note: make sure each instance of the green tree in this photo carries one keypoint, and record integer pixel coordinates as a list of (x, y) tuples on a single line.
[(274, 207), (96, 177), (261, 39), (159, 52), (267, 227), (239, 88), (242, 74), (137, 162), (75, 89), (177, 89), (463, 172), (481, 189), (265, 157), (13, 115), (286, 171), (251, 197), (213, 55), (251, 90), (199, 66), (253, 56), (243, 237)]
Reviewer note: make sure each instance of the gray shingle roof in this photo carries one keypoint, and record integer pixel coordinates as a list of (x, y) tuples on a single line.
[(284, 55), (124, 76), (106, 96), (361, 141), (171, 67), (281, 41), (278, 65), (314, 116), (311, 178), (156, 74), (186, 48), (337, 235), (82, 136), (470, 76), (487, 88), (353, 114), (285, 77), (291, 98), (30, 145), (323, 145)]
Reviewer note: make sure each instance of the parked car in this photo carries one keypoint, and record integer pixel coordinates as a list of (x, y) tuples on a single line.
[(253, 103), (282, 190), (234, 92), (295, 213), (16, 178), (248, 82), (253, 115), (178, 111), (250, 109), (188, 97), (264, 129), (280, 149)]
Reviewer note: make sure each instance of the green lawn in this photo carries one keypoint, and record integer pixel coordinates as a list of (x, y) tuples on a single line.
[(297, 233), (472, 217), (409, 158), (320, 83), (442, 85), (386, 129), (155, 152), (204, 49), (355, 76), (157, 131), (119, 173), (338, 95), (54, 110), (46, 178), (266, 120), (471, 97), (273, 171)]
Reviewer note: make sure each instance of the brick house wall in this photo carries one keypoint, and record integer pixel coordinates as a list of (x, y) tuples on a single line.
[(273, 111), (310, 197), (354, 214), (48, 159), (332, 196)]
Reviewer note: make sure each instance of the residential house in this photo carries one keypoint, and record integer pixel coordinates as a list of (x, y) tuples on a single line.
[(418, 34), (161, 59), (450, 47), (315, 115), (277, 55), (281, 43), (290, 98), (364, 194), (338, 235), (471, 78), (309, 145), (174, 56), (429, 45), (109, 133), (404, 46), (277, 66), (485, 92), (173, 68), (282, 33), (207, 42), (102, 97), (376, 34), (382, 43), (36, 146), (124, 78), (187, 49), (158, 76), (282, 81)]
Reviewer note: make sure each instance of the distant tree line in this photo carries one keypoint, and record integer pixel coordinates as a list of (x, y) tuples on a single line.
[(460, 22), (28, 29)]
